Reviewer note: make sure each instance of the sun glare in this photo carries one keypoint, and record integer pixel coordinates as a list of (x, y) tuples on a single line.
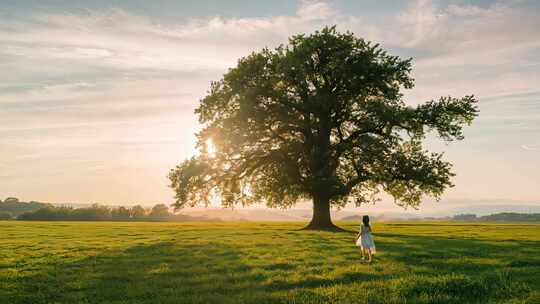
[(210, 148)]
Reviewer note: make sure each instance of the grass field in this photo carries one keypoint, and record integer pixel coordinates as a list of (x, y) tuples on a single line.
[(123, 262)]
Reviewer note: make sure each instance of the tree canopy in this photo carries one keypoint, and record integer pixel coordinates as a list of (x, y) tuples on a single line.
[(320, 118), (159, 211)]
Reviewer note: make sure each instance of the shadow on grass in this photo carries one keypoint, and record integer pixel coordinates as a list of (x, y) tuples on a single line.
[(316, 282), (335, 229), (158, 273), (428, 254)]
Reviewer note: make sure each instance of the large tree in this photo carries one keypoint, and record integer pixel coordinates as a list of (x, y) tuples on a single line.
[(321, 118)]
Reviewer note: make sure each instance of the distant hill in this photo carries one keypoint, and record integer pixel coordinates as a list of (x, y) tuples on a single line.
[(482, 208), (500, 217), (355, 218), (254, 214), (212, 213)]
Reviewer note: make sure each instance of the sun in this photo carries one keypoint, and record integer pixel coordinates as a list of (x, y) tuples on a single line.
[(210, 148)]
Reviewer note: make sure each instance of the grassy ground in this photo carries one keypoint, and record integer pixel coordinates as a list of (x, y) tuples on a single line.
[(98, 262)]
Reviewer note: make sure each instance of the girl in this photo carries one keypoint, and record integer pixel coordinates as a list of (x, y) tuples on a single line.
[(364, 239)]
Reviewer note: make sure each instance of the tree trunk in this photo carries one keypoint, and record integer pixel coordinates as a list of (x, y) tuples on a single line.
[(321, 215)]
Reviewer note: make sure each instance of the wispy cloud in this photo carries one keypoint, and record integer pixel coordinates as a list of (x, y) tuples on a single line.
[(439, 36)]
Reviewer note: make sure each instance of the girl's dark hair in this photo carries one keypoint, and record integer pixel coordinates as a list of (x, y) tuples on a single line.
[(365, 220)]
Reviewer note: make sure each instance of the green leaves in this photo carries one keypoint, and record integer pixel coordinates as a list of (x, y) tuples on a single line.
[(448, 115), (320, 117), (192, 182), (411, 172)]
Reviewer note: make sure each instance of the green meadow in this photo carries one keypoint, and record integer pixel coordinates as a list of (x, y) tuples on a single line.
[(145, 262)]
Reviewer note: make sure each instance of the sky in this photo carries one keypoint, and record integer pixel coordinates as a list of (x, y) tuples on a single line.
[(97, 97)]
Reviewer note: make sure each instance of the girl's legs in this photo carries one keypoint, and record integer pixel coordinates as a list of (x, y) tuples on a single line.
[(368, 254), (362, 251)]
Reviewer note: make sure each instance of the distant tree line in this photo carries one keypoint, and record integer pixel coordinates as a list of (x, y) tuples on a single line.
[(97, 212), (500, 217), (12, 208)]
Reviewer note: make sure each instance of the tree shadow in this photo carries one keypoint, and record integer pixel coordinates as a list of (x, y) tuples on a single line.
[(158, 273), (316, 282), (335, 229), (170, 272)]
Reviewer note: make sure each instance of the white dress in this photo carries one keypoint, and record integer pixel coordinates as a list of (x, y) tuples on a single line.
[(365, 240)]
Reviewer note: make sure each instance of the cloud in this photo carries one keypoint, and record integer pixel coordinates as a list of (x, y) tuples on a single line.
[(111, 65), (315, 10), (117, 39), (97, 59), (465, 10)]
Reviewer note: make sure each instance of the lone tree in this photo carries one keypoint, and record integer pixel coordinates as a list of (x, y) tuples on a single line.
[(321, 118)]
